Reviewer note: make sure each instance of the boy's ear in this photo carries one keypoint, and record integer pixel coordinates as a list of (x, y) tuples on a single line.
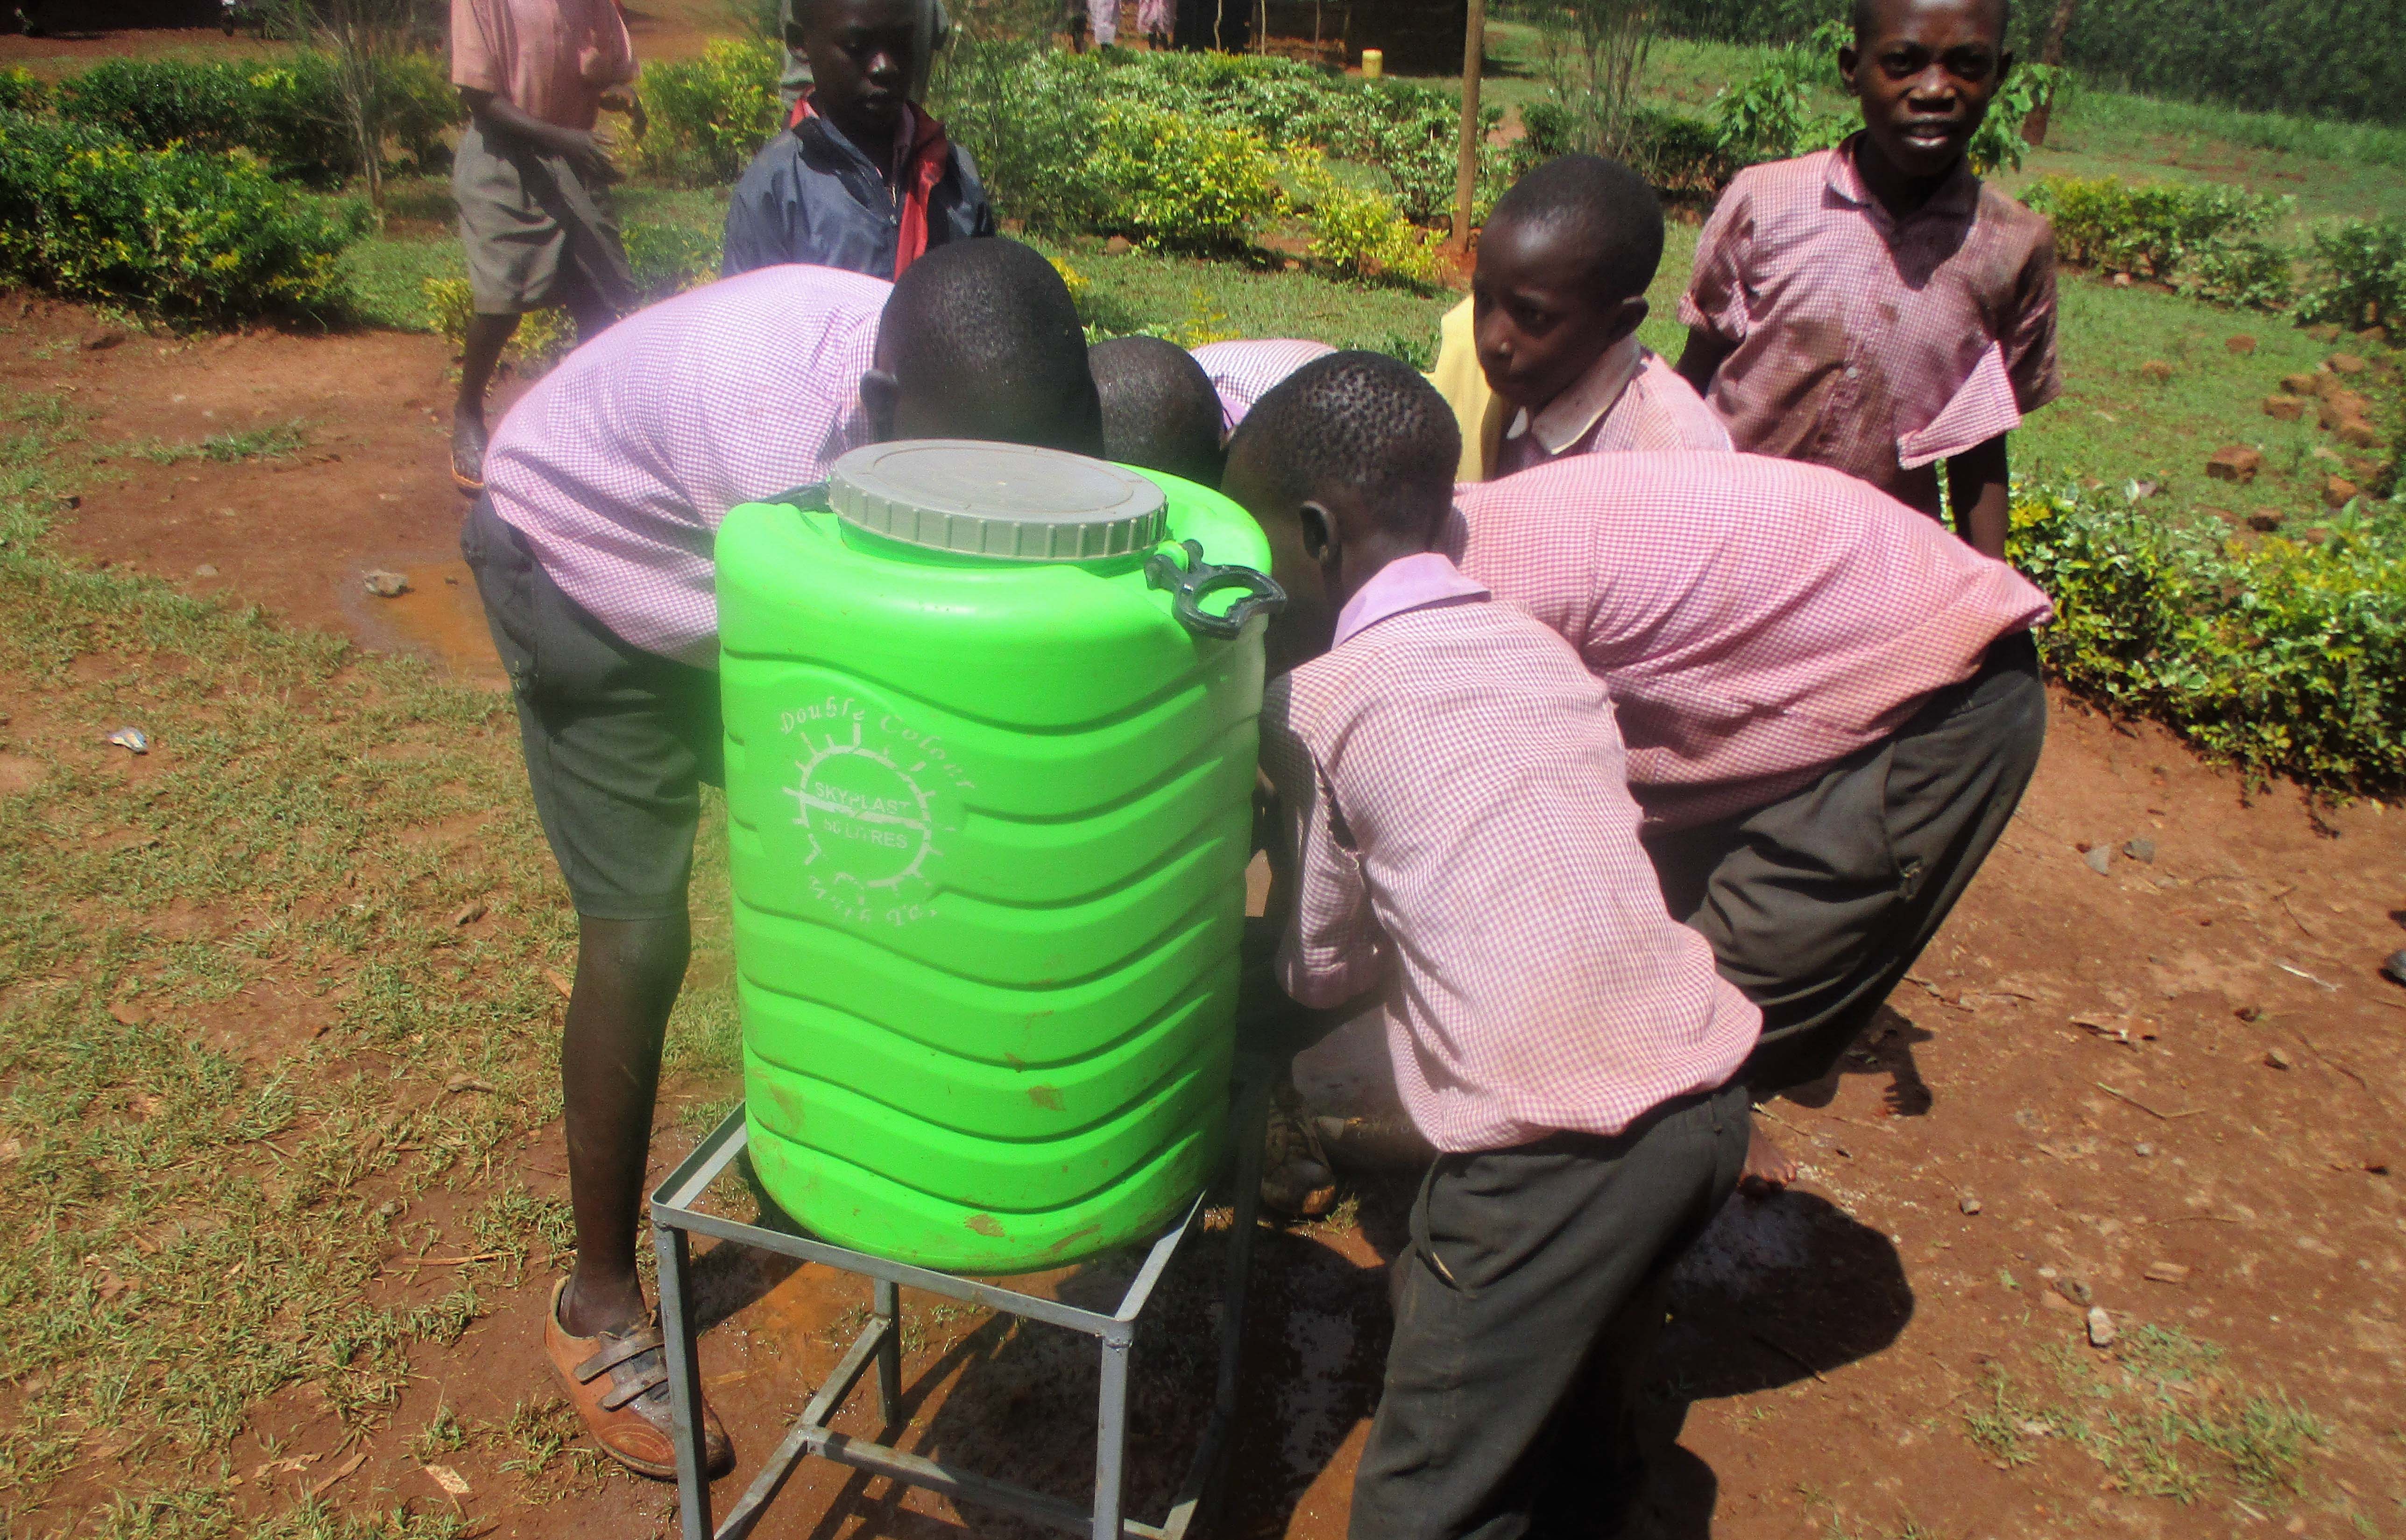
[(1848, 59), (1628, 316), (1320, 539), (880, 392)]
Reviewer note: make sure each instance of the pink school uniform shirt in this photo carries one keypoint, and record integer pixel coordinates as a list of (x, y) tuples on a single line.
[(1755, 619), (1488, 876), (1876, 345), (1243, 371), (1627, 402), (619, 465), (551, 59)]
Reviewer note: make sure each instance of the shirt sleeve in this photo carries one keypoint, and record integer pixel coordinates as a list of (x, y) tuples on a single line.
[(1715, 301), (2028, 336), (476, 61), (1330, 953), (759, 217)]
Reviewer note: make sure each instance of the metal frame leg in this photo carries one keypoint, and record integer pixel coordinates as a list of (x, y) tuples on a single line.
[(1111, 1436), (685, 1378), (888, 1309)]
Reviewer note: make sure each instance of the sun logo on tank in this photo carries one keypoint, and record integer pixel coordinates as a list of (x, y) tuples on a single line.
[(871, 823)]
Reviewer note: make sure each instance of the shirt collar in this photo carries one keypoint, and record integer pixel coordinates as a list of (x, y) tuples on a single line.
[(1410, 583), (1566, 419), (1958, 197)]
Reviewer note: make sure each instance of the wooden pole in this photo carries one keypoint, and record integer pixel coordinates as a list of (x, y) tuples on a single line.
[(1466, 174), (2050, 53)]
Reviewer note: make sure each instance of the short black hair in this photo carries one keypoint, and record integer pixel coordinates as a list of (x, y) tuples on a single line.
[(1865, 19), (1159, 408), (1605, 207), (989, 318), (1365, 421)]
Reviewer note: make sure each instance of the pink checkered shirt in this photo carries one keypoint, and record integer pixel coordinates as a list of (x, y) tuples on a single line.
[(619, 465), (1465, 841), (1245, 372), (1630, 402), (1875, 345), (1755, 619)]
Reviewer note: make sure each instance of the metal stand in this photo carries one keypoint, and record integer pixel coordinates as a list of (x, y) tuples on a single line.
[(675, 1219)]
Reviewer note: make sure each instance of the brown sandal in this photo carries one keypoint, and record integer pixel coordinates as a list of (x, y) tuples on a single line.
[(618, 1382)]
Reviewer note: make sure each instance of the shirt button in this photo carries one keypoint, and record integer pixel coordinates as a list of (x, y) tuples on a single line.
[(1852, 371)]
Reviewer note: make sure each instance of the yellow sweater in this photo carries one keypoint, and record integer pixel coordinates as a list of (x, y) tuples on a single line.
[(1478, 411)]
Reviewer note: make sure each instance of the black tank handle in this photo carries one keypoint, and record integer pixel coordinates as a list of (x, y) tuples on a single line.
[(1190, 585)]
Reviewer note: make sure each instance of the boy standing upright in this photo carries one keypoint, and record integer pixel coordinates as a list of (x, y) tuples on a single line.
[(532, 180), (1875, 307), (1563, 1043), (861, 178), (1543, 359)]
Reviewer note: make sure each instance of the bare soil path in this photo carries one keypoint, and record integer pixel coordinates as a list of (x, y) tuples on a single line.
[(2168, 1090)]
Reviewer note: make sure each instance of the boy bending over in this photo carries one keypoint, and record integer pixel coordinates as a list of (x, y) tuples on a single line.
[(1543, 359), (1875, 307), (863, 178), (1832, 707), (1458, 840), (592, 553)]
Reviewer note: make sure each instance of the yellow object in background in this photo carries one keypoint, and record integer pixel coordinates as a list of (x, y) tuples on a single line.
[(1477, 410), (1374, 62)]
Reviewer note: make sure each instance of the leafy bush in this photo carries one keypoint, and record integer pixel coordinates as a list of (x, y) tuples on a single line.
[(289, 114), (183, 232), (1181, 182), (2250, 273), (22, 90), (2284, 656), (2363, 282), (2158, 230), (1681, 156), (1034, 119), (711, 115), (1770, 115), (1997, 144), (1358, 233)]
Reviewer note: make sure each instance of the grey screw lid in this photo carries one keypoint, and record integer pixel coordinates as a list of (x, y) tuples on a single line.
[(1006, 500)]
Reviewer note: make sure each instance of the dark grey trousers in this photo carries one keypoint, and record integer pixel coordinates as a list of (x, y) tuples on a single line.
[(1817, 904), (1523, 1313)]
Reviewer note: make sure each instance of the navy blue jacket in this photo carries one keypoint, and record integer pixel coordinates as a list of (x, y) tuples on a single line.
[(811, 196)]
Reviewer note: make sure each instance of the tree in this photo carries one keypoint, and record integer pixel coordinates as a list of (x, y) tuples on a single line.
[(2050, 53)]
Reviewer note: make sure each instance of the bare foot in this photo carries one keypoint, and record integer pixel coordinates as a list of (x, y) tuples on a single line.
[(1768, 1168), (468, 451)]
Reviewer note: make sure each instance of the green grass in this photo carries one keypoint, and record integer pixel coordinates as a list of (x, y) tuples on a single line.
[(236, 1004), (275, 441), (2163, 1415)]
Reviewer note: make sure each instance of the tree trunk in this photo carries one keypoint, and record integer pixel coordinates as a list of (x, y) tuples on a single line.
[(1466, 174), (2050, 53)]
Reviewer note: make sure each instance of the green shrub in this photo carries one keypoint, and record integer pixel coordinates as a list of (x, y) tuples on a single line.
[(182, 233), (1358, 233), (1998, 145), (1034, 119), (2362, 281), (1180, 182), (2151, 229), (288, 113), (2248, 272), (22, 90), (1769, 116), (1681, 156), (711, 115), (2286, 658)]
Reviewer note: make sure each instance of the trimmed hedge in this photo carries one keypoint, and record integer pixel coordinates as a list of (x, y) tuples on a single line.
[(182, 232), (2285, 657), (2204, 238), (287, 113)]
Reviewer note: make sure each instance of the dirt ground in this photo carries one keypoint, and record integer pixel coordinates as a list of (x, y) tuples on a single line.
[(2170, 1087)]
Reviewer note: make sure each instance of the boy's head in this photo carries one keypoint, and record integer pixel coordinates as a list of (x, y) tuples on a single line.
[(1925, 72), (979, 340), (1159, 409), (1562, 275), (865, 55), (1348, 464)]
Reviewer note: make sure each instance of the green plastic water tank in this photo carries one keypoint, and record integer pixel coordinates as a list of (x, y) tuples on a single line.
[(989, 807)]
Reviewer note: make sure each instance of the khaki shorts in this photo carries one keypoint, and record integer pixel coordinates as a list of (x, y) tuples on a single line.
[(534, 231)]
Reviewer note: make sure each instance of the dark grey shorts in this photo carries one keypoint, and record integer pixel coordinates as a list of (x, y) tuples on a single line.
[(619, 741), (1817, 904)]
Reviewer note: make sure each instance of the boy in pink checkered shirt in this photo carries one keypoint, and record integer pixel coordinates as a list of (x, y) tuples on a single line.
[(1458, 848), (1875, 307)]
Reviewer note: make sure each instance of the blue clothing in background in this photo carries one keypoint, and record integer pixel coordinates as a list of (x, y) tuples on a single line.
[(811, 195)]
